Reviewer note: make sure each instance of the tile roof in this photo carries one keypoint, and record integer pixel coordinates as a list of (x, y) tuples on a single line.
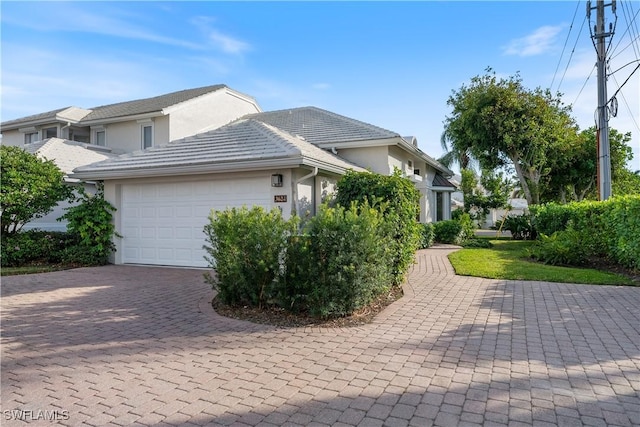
[(68, 155), (35, 117), (120, 109), (148, 105), (245, 140), (319, 126), (322, 127)]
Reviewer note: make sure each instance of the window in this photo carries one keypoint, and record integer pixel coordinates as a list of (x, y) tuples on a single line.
[(101, 138), (439, 206), (147, 136), (30, 137), (49, 133), (410, 164), (416, 171)]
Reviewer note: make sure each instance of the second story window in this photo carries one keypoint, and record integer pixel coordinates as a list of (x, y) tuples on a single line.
[(49, 133), (147, 136), (101, 138), (31, 137)]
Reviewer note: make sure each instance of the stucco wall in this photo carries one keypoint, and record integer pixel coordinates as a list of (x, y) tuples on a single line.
[(373, 158), (208, 112), (13, 137)]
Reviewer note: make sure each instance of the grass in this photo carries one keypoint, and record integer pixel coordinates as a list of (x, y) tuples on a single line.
[(508, 260), (31, 269)]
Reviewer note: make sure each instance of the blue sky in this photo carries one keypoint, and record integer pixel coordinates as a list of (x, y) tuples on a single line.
[(392, 64)]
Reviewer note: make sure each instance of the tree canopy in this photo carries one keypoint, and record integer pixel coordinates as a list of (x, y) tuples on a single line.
[(30, 189), (502, 124), (573, 168)]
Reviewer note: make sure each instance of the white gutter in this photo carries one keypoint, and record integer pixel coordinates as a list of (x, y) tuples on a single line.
[(294, 189)]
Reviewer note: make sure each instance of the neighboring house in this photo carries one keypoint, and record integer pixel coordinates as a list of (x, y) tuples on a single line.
[(289, 159), (67, 155), (70, 133), (373, 148), (135, 125), (516, 206)]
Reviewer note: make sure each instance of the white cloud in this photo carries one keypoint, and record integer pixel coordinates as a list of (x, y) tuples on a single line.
[(218, 39), (540, 41), (68, 18), (321, 86), (227, 43)]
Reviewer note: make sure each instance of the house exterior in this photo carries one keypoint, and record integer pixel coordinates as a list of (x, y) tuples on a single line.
[(67, 155), (287, 159), (74, 137), (135, 125), (373, 148)]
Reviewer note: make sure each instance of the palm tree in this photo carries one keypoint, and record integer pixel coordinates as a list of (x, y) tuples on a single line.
[(454, 155)]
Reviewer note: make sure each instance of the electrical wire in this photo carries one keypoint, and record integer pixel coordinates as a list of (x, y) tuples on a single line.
[(583, 86), (565, 46), (625, 48), (572, 52), (625, 99), (632, 24), (629, 26)]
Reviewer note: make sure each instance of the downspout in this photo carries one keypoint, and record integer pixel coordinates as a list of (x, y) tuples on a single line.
[(63, 128), (296, 204)]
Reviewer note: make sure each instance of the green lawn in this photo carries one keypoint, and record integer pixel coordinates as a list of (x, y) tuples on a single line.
[(508, 260)]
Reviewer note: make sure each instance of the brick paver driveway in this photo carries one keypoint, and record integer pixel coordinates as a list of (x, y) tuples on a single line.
[(125, 345)]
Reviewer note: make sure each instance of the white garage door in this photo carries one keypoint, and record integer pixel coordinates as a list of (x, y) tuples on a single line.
[(163, 223)]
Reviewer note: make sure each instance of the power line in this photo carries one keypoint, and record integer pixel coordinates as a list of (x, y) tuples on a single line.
[(572, 52), (629, 26), (564, 47), (583, 86), (625, 99)]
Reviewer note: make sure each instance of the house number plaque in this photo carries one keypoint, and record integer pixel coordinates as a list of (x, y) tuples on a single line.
[(280, 198)]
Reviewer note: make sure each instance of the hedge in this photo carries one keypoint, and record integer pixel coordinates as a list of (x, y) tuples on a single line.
[(608, 229)]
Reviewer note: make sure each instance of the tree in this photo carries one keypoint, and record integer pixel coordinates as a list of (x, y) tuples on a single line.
[(492, 193), (31, 187), (573, 168), (504, 125)]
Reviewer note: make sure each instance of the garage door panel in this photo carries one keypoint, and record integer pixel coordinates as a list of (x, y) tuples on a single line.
[(163, 223)]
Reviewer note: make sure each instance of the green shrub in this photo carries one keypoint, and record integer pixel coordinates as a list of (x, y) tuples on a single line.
[(91, 223), (247, 248), (449, 231), (398, 198), (35, 246), (609, 229), (520, 226), (551, 217), (622, 224), (342, 262), (477, 243), (468, 229), (453, 231), (427, 235), (561, 248)]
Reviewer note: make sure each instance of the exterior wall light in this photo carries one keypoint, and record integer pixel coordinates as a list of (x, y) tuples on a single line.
[(276, 180)]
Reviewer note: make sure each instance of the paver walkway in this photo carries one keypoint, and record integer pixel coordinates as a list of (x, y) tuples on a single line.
[(125, 345)]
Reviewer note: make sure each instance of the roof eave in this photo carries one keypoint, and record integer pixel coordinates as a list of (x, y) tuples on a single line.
[(430, 160), (158, 171), (107, 120), (358, 143)]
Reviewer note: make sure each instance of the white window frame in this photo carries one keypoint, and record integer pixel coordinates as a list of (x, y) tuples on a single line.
[(143, 125)]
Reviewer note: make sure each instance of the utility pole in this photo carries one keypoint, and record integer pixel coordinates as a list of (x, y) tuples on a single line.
[(599, 36)]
